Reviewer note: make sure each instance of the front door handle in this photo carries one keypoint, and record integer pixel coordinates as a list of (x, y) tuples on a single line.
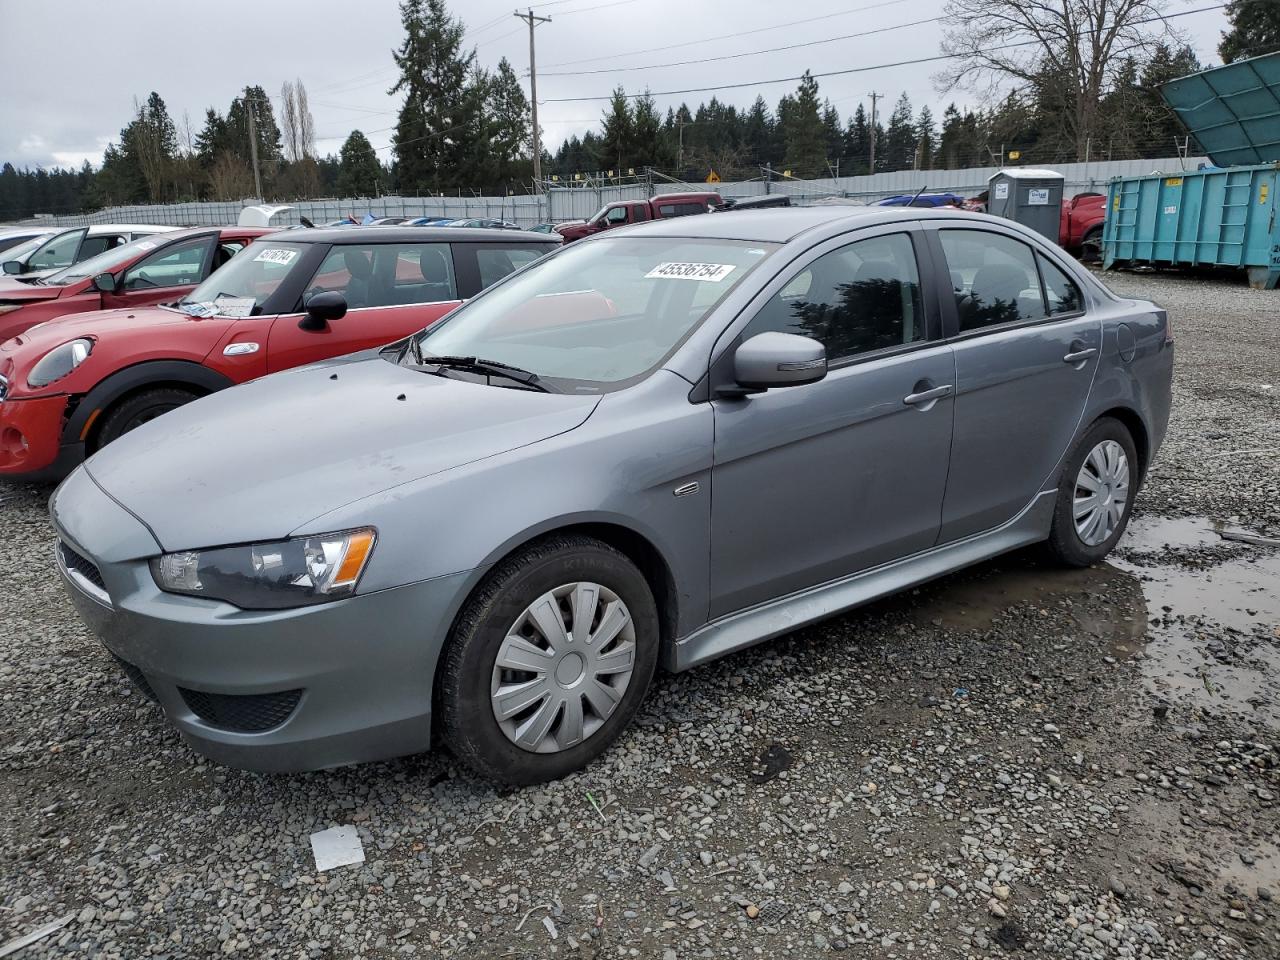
[(927, 396), (1076, 356)]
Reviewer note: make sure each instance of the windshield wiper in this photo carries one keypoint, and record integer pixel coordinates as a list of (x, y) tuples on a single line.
[(490, 367)]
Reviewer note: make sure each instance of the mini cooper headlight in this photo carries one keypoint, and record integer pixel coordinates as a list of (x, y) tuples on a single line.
[(59, 362), (270, 576)]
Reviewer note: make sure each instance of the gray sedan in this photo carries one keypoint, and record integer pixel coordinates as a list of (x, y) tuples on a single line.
[(655, 447)]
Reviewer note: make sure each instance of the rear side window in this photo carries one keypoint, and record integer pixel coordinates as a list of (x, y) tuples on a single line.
[(93, 246), (994, 277), (681, 209), (859, 298), (496, 262), (387, 274), (1063, 294)]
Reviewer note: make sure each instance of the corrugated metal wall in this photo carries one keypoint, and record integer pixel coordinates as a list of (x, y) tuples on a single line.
[(579, 203)]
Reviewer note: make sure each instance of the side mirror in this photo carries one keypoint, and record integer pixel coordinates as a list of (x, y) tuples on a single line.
[(323, 308), (104, 283), (12, 267), (771, 360)]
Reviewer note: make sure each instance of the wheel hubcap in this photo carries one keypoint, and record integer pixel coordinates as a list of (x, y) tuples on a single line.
[(1102, 493), (563, 667)]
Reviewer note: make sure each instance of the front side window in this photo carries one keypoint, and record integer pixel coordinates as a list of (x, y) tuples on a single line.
[(174, 266), (387, 274), (859, 298), (994, 277), (617, 215), (57, 252), (108, 262), (1063, 294), (240, 288), (598, 315)]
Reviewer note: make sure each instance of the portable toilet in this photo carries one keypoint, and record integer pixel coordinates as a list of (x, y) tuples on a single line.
[(1028, 196), (1222, 216)]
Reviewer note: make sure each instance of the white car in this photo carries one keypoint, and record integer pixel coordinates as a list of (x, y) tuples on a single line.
[(44, 254), (10, 237)]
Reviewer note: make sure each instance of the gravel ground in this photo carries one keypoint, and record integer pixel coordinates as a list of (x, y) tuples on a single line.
[(1013, 760)]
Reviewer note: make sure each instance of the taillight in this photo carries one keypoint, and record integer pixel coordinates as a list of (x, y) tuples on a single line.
[(1168, 328)]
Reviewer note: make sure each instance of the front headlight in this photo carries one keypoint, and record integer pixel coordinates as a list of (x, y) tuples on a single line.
[(59, 362), (270, 576)]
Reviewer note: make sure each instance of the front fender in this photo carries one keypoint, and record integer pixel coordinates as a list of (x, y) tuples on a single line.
[(115, 386)]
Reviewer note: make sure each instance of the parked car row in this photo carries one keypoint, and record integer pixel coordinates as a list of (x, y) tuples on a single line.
[(497, 521), (46, 252)]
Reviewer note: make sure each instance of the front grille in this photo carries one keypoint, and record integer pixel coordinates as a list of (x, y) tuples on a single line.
[(248, 714), (82, 565), (136, 677)]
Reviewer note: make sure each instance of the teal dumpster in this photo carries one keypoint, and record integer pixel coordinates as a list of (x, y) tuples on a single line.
[(1223, 216)]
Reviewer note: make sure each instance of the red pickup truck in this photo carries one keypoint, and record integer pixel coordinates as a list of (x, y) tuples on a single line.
[(638, 211), (1081, 230)]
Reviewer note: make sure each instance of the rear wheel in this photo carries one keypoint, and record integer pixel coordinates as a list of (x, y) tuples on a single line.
[(548, 662), (1095, 495), (1091, 246), (143, 407)]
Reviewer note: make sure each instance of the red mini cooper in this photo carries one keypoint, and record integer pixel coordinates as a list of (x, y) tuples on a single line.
[(74, 384), (162, 266)]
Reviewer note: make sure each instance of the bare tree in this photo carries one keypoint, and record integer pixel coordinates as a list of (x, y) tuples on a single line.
[(289, 123), (306, 122), (230, 178), (1073, 48)]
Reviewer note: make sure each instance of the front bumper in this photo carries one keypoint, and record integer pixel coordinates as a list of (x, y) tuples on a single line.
[(31, 439), (281, 690)]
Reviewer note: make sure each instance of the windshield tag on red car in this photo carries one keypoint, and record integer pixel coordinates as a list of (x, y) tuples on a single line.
[(706, 272), (276, 255)]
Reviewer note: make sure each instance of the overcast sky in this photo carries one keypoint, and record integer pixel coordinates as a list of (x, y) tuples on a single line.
[(71, 69)]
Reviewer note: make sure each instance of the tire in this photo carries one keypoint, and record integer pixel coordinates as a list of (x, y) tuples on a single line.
[(1091, 246), (134, 411), (1068, 543), (471, 686)]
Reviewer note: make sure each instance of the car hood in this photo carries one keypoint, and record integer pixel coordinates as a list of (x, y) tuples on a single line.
[(258, 461), (13, 290), (45, 336)]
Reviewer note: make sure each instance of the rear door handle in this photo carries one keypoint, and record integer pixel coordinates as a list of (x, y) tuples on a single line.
[(927, 396), (1075, 356)]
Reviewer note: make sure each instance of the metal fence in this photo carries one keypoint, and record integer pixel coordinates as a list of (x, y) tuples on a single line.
[(580, 202)]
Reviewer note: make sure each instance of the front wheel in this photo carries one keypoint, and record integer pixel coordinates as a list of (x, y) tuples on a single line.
[(1091, 246), (548, 662), (1095, 495), (141, 408)]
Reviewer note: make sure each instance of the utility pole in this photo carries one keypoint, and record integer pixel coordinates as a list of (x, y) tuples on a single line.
[(681, 123), (533, 21), (253, 147), (874, 97)]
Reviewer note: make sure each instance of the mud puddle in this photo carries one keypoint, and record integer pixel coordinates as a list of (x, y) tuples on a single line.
[(1199, 612)]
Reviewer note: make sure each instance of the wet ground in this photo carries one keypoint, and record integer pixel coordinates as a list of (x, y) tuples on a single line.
[(1016, 760)]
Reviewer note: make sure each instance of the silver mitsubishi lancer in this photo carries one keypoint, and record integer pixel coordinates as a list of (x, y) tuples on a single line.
[(654, 447)]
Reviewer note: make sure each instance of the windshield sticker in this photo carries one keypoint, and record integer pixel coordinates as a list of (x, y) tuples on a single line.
[(277, 255), (706, 272), (146, 245), (234, 306)]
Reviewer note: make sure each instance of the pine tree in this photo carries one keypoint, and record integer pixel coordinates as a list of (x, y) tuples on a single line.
[(758, 133), (857, 143), (507, 109), (439, 112), (619, 132), (1255, 29), (802, 130), (833, 134), (926, 137), (647, 135), (900, 138), (359, 173)]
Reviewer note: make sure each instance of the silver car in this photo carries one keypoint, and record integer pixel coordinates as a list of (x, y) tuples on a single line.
[(655, 447)]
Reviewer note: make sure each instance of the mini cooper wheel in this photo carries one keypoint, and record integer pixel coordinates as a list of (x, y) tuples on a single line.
[(548, 662), (1095, 495), (141, 408)]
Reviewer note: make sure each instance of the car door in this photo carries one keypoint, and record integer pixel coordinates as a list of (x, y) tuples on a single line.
[(57, 252), (391, 289), (817, 482), (166, 274), (1026, 350)]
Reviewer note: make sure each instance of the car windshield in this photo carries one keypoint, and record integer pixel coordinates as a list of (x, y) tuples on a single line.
[(243, 283), (600, 315), (106, 262)]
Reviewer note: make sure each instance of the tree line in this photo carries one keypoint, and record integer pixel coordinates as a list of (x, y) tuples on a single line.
[(1079, 88)]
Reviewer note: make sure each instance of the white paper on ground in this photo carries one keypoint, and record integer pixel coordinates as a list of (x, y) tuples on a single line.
[(337, 847)]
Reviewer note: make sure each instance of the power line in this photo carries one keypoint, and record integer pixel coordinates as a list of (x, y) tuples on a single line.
[(850, 70), (729, 36), (749, 53)]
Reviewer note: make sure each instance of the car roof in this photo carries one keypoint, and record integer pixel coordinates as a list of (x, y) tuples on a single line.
[(772, 225), (97, 228), (341, 236)]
